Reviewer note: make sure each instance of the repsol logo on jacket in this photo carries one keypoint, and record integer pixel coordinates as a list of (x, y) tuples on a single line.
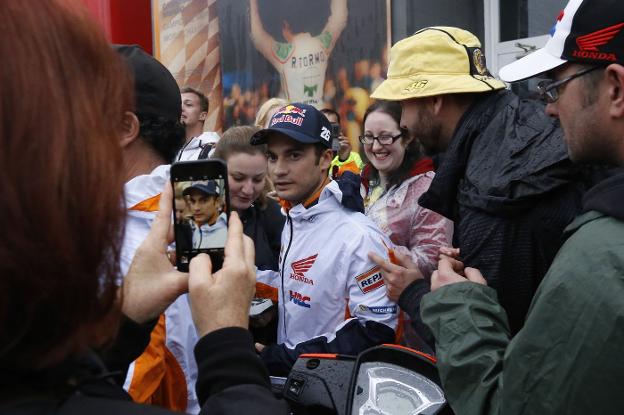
[(299, 299), (370, 280)]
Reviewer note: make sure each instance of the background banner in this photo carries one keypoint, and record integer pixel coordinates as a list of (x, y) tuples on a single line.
[(328, 53), (186, 41)]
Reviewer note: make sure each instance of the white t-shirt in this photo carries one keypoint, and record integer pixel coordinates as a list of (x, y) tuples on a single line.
[(303, 66), (193, 148)]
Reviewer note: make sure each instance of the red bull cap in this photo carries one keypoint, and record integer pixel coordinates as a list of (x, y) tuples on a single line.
[(301, 122)]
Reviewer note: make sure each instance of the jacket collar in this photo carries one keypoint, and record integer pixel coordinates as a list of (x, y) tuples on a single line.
[(421, 166), (604, 199), (310, 201), (607, 196), (330, 198)]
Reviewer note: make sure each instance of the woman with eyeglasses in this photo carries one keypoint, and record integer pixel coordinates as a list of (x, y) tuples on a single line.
[(394, 179)]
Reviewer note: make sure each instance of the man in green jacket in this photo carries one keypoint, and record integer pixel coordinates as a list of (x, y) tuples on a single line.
[(567, 359)]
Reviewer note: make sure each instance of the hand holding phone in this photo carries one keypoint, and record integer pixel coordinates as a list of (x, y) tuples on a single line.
[(221, 299), (151, 284), (201, 198)]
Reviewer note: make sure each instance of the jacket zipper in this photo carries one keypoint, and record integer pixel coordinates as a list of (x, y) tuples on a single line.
[(282, 273)]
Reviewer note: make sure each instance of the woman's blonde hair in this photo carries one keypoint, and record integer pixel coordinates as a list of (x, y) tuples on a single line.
[(262, 116)]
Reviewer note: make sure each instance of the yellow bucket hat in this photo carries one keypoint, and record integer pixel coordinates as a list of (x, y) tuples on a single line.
[(435, 61)]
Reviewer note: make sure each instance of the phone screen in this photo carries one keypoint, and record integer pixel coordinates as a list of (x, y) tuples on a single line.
[(335, 135), (201, 211)]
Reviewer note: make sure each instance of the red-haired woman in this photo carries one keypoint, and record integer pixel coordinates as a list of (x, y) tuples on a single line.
[(62, 215)]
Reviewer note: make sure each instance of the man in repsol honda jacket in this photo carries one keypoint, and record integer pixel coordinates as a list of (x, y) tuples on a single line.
[(567, 358), (332, 298)]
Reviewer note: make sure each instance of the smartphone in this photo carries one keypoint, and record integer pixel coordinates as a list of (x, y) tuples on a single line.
[(201, 199), (335, 136)]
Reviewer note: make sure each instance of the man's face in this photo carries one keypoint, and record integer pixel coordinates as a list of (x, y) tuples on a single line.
[(581, 117), (191, 110), (294, 168), (204, 207), (422, 125)]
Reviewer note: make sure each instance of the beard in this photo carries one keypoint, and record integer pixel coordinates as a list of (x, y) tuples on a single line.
[(428, 133)]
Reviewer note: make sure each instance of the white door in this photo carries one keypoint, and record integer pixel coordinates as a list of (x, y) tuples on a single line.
[(514, 28)]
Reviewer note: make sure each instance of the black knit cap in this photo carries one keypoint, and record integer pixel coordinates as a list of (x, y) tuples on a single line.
[(156, 91)]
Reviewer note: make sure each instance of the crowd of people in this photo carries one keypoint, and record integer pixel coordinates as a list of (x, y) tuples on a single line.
[(470, 224), (347, 94)]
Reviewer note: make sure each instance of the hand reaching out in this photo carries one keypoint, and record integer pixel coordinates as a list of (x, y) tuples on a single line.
[(452, 271), (397, 276), (447, 251)]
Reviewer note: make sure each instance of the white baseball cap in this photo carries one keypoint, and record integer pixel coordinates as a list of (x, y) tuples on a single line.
[(586, 31)]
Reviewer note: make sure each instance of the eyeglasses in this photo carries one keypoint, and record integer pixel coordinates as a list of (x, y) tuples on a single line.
[(549, 90), (383, 139)]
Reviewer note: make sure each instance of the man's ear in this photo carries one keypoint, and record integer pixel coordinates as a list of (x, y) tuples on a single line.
[(203, 115), (326, 158), (130, 129), (615, 88), (436, 102)]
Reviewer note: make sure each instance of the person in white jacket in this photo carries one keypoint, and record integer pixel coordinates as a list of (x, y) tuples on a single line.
[(332, 298), (166, 372), (193, 117)]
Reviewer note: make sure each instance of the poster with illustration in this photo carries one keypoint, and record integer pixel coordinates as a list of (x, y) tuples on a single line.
[(327, 53)]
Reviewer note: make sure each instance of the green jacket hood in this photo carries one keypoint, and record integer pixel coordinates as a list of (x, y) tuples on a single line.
[(607, 197)]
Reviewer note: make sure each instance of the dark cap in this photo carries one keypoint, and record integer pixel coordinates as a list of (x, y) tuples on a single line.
[(210, 188), (156, 91), (586, 31), (301, 122)]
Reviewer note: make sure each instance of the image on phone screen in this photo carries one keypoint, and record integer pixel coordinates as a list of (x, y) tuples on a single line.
[(200, 218)]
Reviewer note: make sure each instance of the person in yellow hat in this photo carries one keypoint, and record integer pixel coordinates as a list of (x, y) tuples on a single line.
[(504, 179)]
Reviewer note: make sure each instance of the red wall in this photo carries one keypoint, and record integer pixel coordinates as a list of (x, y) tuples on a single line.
[(124, 21)]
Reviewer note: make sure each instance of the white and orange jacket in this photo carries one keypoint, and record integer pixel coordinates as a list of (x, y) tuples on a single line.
[(332, 298), (165, 374)]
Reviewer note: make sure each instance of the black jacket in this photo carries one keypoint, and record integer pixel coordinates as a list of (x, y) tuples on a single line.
[(231, 380), (507, 183), (264, 227)]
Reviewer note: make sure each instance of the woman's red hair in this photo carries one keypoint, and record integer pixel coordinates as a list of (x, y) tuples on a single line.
[(63, 95)]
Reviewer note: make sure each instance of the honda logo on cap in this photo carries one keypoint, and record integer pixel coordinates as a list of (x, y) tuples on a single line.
[(588, 44)]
